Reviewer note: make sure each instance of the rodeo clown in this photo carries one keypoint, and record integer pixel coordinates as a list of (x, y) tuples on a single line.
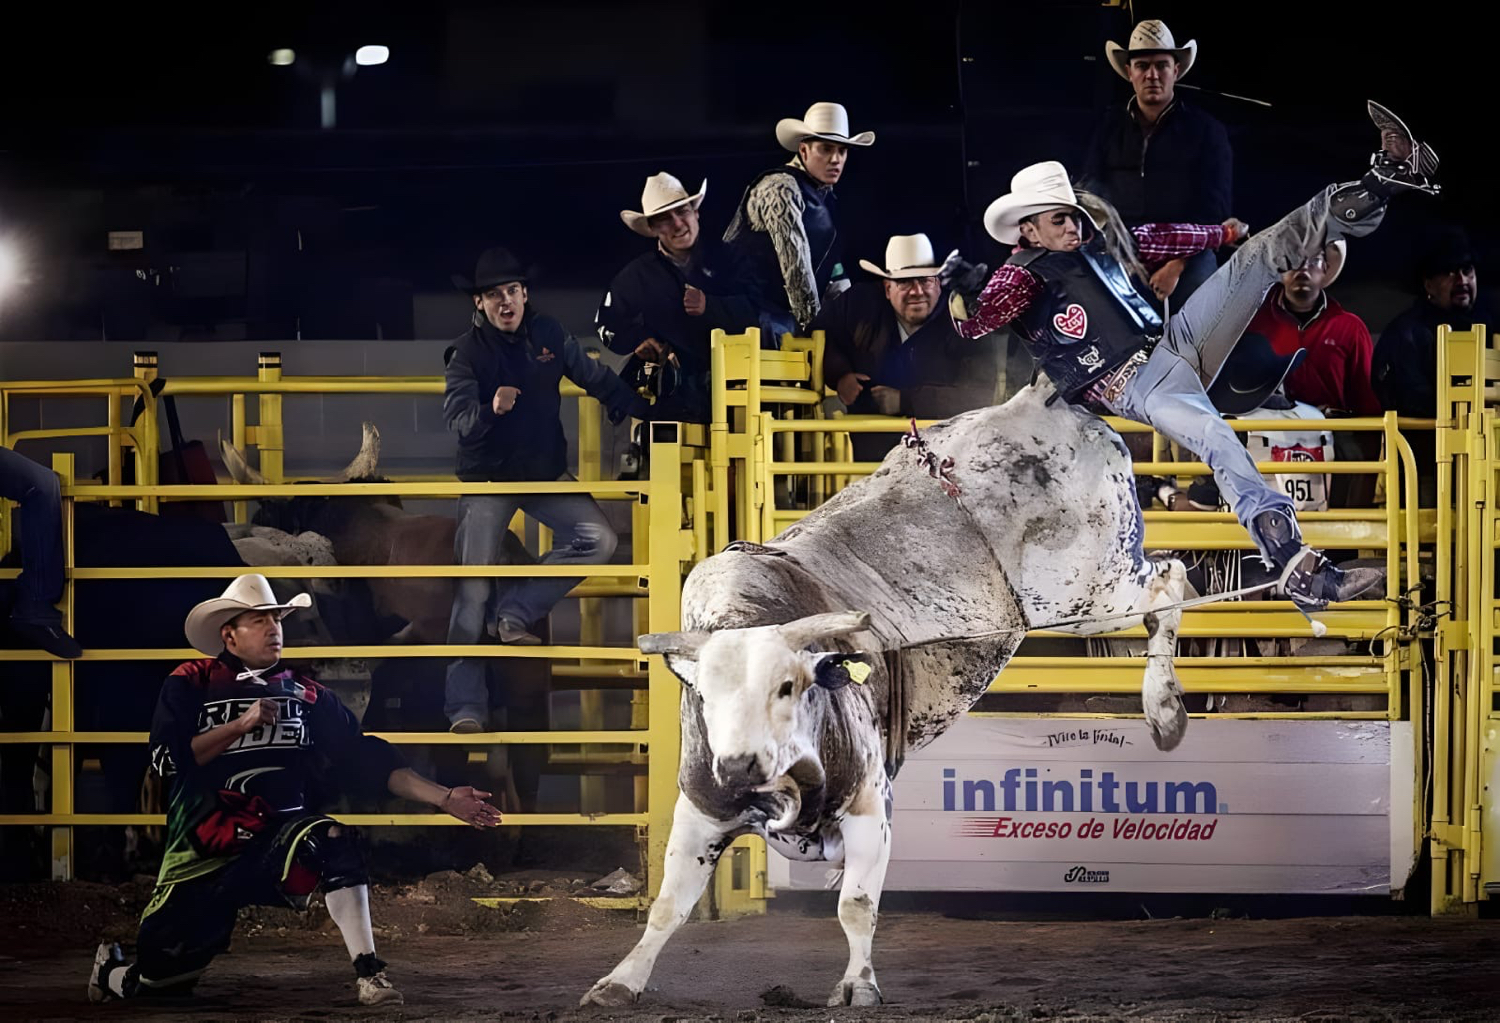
[(1068, 291), (245, 746)]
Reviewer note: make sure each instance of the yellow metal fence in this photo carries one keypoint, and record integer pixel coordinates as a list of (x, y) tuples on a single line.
[(770, 455), (661, 550)]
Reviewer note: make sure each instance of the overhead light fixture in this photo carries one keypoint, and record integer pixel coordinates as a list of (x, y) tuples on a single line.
[(282, 57), (367, 56)]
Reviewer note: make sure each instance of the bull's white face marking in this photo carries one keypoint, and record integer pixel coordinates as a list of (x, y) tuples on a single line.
[(752, 684)]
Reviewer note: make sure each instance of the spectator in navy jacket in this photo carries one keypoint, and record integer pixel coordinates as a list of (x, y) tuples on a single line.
[(1158, 159), (664, 305)]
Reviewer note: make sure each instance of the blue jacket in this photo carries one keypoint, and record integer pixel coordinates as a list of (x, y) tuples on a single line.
[(526, 443)]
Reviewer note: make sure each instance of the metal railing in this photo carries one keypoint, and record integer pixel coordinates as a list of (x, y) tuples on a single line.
[(730, 481), (662, 547)]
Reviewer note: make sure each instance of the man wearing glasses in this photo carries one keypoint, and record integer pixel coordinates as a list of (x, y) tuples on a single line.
[(892, 350)]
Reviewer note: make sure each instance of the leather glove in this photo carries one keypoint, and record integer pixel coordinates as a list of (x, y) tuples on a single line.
[(962, 277)]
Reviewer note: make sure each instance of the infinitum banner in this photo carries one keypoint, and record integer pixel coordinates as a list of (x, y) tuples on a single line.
[(1013, 804)]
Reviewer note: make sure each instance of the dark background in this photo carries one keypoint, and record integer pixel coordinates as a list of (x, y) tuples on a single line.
[(533, 125)]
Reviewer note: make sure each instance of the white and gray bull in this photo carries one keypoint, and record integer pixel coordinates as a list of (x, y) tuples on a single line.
[(783, 727)]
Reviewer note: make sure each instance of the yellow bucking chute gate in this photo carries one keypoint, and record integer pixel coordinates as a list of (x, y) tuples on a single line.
[(1423, 657)]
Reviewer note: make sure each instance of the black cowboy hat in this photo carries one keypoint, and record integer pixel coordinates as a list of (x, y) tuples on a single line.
[(1253, 371), (495, 266), (1442, 249)]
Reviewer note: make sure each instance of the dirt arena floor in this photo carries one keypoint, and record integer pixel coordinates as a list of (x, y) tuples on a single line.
[(455, 960)]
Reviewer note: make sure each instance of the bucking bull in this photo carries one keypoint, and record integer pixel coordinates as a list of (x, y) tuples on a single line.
[(810, 667)]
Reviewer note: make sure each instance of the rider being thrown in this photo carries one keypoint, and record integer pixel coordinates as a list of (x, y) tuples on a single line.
[(1067, 292)]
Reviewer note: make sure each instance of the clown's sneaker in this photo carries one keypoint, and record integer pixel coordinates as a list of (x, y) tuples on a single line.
[(106, 958)]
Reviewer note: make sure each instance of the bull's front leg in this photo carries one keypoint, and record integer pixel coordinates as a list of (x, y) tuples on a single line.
[(1161, 692), (695, 845), (866, 831)]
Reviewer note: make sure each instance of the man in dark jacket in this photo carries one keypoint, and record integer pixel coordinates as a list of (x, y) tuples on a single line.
[(1158, 159), (663, 306), (1404, 369), (501, 398), (891, 348)]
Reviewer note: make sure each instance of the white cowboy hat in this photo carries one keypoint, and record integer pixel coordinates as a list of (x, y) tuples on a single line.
[(826, 121), (1035, 189), (247, 593), (1151, 37), (663, 192), (907, 256), (1334, 255)]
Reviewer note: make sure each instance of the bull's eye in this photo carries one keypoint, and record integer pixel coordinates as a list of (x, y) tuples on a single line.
[(787, 688)]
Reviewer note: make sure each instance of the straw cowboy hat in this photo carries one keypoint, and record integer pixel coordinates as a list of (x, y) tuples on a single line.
[(247, 593), (663, 192), (826, 121), (907, 256), (1035, 189), (1151, 37)]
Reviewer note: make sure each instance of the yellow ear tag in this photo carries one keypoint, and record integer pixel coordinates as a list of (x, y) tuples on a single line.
[(858, 671)]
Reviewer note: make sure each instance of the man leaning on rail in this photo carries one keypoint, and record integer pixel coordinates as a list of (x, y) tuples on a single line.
[(501, 398)]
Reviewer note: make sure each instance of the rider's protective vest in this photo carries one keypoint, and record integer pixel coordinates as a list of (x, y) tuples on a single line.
[(1088, 319)]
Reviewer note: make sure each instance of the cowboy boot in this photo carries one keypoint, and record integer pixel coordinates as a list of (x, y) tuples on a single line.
[(1402, 165), (1307, 578)]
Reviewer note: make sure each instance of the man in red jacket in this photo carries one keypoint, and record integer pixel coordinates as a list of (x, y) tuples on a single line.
[(1299, 313)]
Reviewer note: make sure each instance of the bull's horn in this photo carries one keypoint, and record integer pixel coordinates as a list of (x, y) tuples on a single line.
[(363, 465), (686, 644), (806, 631), (239, 469)]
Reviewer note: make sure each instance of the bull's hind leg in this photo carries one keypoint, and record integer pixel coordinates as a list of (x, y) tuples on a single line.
[(866, 829), (1161, 693), (692, 850)]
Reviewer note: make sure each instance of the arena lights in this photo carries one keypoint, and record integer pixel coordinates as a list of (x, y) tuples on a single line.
[(10, 268), (327, 76), (368, 56)]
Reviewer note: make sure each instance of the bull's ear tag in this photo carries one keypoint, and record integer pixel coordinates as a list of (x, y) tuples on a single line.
[(858, 671)]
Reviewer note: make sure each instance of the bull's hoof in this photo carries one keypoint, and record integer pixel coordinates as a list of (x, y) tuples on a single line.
[(609, 994), (1168, 724), (855, 992)]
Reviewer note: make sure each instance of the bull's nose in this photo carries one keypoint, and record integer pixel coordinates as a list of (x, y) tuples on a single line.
[(744, 769)]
